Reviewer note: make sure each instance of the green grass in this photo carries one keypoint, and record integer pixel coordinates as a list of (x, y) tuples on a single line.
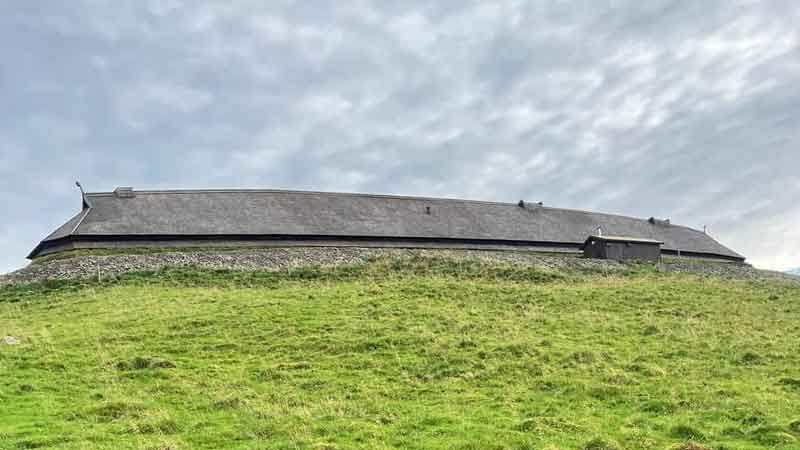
[(413, 353)]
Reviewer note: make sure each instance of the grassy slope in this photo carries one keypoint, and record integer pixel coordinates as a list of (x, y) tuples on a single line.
[(412, 354)]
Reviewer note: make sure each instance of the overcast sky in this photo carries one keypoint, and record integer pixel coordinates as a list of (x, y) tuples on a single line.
[(679, 109)]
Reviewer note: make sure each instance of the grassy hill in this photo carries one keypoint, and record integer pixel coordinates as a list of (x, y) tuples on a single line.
[(416, 353)]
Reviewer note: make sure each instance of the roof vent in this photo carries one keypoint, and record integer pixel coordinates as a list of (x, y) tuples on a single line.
[(522, 204), (655, 221), (124, 192)]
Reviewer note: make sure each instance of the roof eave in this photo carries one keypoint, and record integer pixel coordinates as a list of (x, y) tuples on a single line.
[(35, 252), (74, 231)]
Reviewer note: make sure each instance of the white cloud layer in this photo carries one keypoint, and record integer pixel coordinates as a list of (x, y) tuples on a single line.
[(679, 109)]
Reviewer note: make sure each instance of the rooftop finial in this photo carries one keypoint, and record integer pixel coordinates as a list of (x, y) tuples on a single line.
[(84, 201)]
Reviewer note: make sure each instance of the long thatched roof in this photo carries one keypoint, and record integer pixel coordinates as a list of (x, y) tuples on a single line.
[(265, 213)]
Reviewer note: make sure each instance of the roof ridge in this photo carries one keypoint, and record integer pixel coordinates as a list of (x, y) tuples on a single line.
[(80, 221), (292, 191)]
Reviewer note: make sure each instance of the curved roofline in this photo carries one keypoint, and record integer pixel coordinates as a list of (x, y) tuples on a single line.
[(523, 217)]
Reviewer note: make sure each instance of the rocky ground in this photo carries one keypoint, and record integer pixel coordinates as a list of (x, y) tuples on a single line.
[(277, 259), (723, 270)]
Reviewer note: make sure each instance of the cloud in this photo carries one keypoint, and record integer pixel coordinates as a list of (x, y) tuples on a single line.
[(141, 104), (673, 109)]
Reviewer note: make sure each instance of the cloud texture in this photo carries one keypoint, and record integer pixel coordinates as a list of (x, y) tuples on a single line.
[(677, 109)]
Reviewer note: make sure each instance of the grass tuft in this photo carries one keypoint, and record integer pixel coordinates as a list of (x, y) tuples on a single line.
[(790, 383), (142, 363), (750, 358), (689, 446), (599, 444), (687, 432), (117, 410)]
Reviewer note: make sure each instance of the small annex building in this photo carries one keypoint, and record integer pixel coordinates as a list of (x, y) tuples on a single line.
[(622, 248), (127, 218)]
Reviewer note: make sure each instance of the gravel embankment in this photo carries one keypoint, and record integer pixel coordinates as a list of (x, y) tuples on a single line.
[(277, 259), (723, 270)]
